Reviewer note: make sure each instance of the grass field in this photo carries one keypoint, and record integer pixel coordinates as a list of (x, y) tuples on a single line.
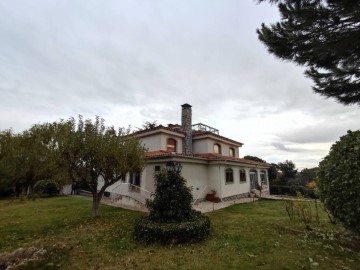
[(256, 235)]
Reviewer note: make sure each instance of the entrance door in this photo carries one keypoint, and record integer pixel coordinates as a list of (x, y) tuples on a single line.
[(253, 180)]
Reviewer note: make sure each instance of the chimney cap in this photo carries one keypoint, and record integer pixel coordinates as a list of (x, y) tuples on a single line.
[(186, 105)]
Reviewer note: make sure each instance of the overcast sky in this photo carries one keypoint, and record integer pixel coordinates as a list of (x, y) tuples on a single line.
[(136, 61)]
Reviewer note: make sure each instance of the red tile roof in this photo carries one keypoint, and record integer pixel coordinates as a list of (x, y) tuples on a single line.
[(197, 133), (208, 156), (157, 153), (178, 129), (221, 157), (173, 129)]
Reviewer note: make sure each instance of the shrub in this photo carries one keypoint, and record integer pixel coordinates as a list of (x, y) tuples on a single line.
[(195, 229), (172, 200), (339, 181), (292, 191), (171, 218), (46, 188), (300, 209)]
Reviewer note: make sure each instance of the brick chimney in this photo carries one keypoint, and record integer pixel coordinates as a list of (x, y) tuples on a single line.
[(186, 126)]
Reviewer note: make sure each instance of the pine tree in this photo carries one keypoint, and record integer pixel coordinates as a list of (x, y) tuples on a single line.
[(324, 36)]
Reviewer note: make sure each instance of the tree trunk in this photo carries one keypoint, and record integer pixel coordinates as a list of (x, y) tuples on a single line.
[(96, 200), (95, 205)]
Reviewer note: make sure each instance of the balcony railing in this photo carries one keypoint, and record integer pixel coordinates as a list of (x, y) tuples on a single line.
[(203, 127), (126, 189)]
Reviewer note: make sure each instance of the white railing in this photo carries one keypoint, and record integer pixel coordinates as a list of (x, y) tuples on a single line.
[(126, 189)]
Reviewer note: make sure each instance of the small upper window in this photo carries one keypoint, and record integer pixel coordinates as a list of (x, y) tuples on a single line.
[(229, 176), (171, 145), (232, 152), (217, 148), (157, 168)]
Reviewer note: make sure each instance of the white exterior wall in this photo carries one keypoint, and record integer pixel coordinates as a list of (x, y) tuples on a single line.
[(213, 182), (195, 174), (158, 142), (236, 187), (197, 178), (206, 145), (152, 143), (200, 146), (147, 178)]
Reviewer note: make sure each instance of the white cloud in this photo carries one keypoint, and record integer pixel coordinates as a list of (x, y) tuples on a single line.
[(135, 61)]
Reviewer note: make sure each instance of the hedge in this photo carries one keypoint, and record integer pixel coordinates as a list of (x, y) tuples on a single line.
[(193, 230)]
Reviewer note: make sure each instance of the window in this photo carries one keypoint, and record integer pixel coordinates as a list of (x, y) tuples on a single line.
[(217, 148), (157, 168), (242, 176), (232, 152), (263, 178), (135, 182), (229, 176), (171, 145)]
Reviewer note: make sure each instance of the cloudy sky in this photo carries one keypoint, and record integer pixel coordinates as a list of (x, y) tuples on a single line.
[(135, 61)]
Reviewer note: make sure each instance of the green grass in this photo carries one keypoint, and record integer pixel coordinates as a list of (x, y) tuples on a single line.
[(247, 236)]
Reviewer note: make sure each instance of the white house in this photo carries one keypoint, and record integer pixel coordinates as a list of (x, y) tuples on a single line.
[(210, 162)]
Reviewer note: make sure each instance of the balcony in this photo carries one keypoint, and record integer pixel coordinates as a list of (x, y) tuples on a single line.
[(203, 127)]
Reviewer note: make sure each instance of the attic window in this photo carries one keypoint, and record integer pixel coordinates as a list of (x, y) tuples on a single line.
[(231, 152), (217, 148), (171, 145)]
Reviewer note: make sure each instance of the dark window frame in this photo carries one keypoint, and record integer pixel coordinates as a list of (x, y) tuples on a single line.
[(229, 176), (242, 176)]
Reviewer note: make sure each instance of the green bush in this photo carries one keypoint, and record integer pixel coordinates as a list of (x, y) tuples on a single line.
[(46, 188), (172, 200), (195, 229), (171, 218), (339, 181)]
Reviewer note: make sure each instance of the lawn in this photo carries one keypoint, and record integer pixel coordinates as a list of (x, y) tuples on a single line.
[(256, 235)]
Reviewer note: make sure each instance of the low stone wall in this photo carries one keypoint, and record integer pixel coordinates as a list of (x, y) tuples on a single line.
[(236, 197), (127, 201)]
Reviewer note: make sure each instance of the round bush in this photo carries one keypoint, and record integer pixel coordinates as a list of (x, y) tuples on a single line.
[(192, 230), (46, 188), (172, 199), (339, 181)]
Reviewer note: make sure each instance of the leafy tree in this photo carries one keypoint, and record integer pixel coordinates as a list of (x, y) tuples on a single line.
[(92, 152), (322, 35), (339, 180), (149, 125), (307, 175), (5, 183), (273, 173), (254, 158), (287, 169), (28, 156)]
